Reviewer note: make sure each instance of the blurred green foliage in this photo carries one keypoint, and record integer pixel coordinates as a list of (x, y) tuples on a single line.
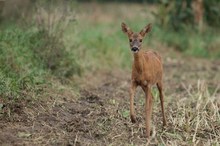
[(52, 54), (181, 31), (212, 12), (32, 50), (19, 72), (129, 1), (27, 57), (179, 15)]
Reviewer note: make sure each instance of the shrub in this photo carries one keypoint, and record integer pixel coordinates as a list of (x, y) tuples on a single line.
[(51, 22), (28, 56), (18, 70), (53, 55), (212, 12)]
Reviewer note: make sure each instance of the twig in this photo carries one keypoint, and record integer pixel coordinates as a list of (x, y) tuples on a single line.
[(76, 138)]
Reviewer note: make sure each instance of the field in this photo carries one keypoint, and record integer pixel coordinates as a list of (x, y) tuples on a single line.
[(91, 107)]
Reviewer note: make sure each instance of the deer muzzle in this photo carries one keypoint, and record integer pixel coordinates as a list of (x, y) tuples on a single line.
[(135, 49)]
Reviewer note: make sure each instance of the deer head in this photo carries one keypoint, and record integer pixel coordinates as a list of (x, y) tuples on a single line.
[(135, 39)]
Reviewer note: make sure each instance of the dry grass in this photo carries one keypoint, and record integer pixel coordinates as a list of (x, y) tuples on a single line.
[(194, 118), (54, 19), (99, 114)]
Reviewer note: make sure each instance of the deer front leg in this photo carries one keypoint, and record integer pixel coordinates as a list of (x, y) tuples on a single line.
[(132, 93), (148, 108)]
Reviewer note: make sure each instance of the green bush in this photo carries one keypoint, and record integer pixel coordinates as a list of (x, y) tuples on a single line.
[(178, 29), (212, 12), (179, 15), (27, 57), (18, 69), (53, 55)]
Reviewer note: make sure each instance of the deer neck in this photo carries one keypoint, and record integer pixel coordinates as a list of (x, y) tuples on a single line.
[(138, 61)]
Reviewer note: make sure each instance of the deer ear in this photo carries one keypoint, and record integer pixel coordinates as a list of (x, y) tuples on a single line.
[(126, 29), (145, 30)]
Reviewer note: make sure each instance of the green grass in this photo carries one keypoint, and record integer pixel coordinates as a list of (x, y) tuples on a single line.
[(101, 46), (97, 48), (101, 43), (28, 57), (19, 70), (190, 42), (32, 52), (104, 46)]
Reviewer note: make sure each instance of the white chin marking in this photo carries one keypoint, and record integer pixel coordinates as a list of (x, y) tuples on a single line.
[(136, 51)]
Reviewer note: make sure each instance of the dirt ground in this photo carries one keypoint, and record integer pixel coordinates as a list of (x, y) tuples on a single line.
[(99, 114)]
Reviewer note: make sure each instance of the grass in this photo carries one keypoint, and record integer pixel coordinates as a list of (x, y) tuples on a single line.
[(190, 42), (107, 43), (19, 70), (33, 51), (100, 43), (192, 120), (28, 57), (193, 117), (194, 114)]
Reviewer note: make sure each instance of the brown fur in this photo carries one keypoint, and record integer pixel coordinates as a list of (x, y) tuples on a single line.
[(147, 70)]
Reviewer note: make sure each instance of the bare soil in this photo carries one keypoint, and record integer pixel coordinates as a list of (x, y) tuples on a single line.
[(99, 114)]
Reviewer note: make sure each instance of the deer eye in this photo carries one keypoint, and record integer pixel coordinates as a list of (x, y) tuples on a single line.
[(140, 40), (130, 40)]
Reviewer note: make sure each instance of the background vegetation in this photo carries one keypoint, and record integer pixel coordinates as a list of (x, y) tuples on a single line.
[(33, 42)]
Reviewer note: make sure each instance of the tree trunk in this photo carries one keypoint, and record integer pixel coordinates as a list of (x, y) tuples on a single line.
[(198, 10)]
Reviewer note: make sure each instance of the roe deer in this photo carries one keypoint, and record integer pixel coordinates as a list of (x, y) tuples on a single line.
[(147, 70)]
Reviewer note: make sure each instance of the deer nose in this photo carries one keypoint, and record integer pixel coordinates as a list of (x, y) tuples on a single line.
[(134, 49)]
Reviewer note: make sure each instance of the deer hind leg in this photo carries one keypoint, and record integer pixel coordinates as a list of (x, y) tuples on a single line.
[(132, 93), (148, 108), (160, 88)]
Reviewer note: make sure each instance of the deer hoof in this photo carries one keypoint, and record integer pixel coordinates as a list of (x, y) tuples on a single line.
[(133, 119), (164, 123)]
